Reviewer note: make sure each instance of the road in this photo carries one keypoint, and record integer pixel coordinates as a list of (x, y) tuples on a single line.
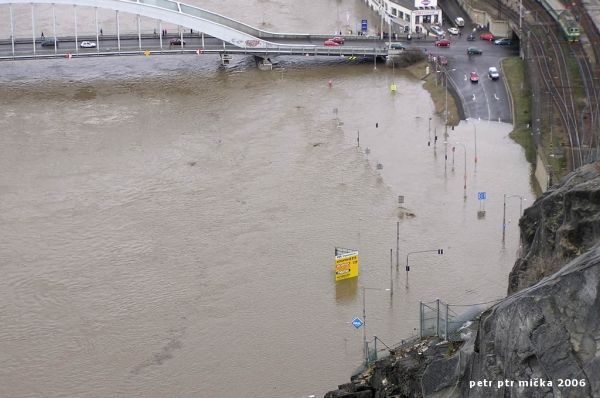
[(488, 99)]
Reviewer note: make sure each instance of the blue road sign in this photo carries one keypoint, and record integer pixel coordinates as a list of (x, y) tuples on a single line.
[(357, 323), (481, 195), (363, 25)]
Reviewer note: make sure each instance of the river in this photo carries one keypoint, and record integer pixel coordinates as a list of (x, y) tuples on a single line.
[(169, 225)]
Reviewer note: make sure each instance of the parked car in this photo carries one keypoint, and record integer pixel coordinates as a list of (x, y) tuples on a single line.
[(473, 51), (453, 31), (442, 43), (176, 42), (437, 30), (331, 43), (487, 36), (503, 42), (87, 44), (397, 46), (459, 21), (474, 77), (493, 73), (48, 42), (471, 37), (338, 40)]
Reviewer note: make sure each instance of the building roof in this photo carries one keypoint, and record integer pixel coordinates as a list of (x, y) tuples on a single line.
[(410, 5)]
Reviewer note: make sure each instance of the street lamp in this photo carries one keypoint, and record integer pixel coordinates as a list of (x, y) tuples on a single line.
[(521, 199), (475, 133), (438, 251), (429, 133), (465, 148), (365, 348), (445, 71)]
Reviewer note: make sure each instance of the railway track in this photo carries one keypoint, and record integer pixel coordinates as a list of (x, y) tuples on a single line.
[(570, 81)]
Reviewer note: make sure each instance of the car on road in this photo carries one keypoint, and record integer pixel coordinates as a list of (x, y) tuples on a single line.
[(473, 51), (474, 77), (442, 43), (176, 42), (397, 46), (487, 36), (493, 73), (459, 21), (338, 40), (331, 43), (87, 44), (471, 37), (49, 42), (437, 30), (453, 31), (503, 42)]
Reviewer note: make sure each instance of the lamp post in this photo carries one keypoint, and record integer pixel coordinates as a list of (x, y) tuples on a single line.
[(475, 134), (465, 178), (438, 251), (445, 71), (364, 309), (429, 133), (521, 199)]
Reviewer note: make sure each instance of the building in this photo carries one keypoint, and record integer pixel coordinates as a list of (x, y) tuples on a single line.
[(408, 16)]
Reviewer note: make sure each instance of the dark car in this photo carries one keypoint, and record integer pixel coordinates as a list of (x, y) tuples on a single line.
[(503, 42), (397, 46), (442, 43), (473, 51), (48, 42), (471, 37), (176, 42)]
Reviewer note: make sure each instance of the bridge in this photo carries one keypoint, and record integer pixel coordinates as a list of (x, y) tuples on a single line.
[(209, 33)]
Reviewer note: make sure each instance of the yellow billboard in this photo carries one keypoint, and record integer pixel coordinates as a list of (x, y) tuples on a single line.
[(346, 266)]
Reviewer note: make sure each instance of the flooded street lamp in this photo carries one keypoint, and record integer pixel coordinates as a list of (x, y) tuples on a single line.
[(521, 199), (465, 177), (364, 326)]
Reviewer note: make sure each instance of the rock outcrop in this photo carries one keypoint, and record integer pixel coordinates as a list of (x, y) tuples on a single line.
[(561, 225), (541, 341)]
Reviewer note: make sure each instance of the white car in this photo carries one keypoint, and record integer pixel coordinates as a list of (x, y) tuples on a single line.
[(453, 31), (493, 73), (88, 44)]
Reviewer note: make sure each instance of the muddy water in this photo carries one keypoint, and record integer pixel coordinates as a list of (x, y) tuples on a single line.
[(168, 226)]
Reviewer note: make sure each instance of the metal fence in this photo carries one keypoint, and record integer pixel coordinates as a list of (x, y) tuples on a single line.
[(444, 320)]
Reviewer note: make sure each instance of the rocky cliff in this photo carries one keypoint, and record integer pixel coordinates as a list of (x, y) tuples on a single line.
[(541, 341), (561, 225)]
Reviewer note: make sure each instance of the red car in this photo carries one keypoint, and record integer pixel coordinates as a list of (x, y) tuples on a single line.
[(487, 36), (474, 77), (331, 43), (442, 43), (338, 40)]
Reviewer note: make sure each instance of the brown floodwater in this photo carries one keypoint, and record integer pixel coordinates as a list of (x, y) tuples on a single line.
[(169, 225)]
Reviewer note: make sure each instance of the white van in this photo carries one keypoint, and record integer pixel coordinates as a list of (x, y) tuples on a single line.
[(459, 21)]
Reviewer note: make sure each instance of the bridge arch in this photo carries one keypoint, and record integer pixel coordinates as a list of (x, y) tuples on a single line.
[(191, 17)]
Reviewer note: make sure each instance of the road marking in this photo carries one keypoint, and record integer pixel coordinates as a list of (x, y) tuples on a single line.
[(473, 97), (465, 77), (496, 97)]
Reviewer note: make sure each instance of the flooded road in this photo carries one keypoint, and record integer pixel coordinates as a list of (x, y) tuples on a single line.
[(168, 226)]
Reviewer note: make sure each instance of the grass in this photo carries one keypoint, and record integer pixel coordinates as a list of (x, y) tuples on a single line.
[(437, 91)]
